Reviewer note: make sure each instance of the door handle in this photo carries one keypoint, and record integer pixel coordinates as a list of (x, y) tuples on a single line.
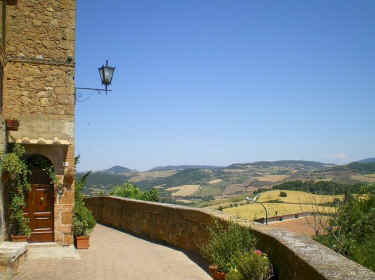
[(42, 198)]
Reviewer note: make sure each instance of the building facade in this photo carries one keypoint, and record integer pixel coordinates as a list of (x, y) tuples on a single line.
[(37, 106)]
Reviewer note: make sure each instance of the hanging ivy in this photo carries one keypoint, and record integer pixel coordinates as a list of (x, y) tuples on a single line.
[(16, 172)]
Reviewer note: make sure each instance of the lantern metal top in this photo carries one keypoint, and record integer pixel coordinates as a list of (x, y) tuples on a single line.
[(106, 74)]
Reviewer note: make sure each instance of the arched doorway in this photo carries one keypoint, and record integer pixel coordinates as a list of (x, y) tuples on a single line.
[(40, 200)]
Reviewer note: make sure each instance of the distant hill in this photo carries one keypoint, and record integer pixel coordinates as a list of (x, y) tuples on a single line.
[(235, 179), (367, 160), (183, 167), (117, 169), (282, 163)]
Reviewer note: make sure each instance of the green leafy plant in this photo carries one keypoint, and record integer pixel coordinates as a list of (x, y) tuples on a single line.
[(151, 195), (130, 191), (351, 232), (225, 242), (253, 265), (233, 275), (15, 167), (126, 190), (83, 220)]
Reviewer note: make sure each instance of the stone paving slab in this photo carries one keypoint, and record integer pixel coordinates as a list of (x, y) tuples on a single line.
[(57, 252), (115, 255)]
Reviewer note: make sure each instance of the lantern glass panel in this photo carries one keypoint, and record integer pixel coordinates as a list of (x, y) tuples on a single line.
[(108, 74), (101, 73)]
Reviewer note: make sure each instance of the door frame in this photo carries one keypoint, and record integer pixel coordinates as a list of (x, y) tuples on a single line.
[(51, 187)]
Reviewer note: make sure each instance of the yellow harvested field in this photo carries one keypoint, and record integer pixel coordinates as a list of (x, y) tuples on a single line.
[(215, 181), (184, 190), (297, 197), (256, 211), (364, 178), (271, 178)]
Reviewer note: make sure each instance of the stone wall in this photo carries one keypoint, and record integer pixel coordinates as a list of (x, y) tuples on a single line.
[(39, 70), (41, 29), (294, 257), (38, 89)]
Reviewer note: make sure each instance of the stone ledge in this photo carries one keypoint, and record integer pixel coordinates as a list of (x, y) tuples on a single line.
[(326, 262), (12, 254)]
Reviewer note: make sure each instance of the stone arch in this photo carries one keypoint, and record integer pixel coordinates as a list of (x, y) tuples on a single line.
[(55, 153), (39, 165)]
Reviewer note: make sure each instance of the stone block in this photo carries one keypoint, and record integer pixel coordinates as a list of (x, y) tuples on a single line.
[(67, 218)]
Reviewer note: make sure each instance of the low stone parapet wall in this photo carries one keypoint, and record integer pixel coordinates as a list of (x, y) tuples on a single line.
[(293, 256)]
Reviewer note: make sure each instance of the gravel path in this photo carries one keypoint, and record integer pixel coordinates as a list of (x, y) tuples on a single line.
[(113, 255)]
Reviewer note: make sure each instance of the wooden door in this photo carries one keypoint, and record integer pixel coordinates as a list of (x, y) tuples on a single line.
[(39, 208)]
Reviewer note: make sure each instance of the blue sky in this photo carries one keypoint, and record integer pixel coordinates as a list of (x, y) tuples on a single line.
[(217, 82)]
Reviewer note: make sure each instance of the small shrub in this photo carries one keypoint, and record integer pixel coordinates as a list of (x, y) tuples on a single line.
[(253, 265), (234, 275), (126, 190), (151, 195), (83, 220), (130, 191), (283, 194), (225, 241), (351, 231)]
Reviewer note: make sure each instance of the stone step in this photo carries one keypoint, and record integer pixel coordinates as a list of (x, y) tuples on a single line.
[(44, 244)]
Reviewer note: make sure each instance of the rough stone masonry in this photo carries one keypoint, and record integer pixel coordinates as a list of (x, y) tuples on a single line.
[(37, 59)]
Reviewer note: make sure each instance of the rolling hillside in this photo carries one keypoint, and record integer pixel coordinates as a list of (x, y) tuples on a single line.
[(210, 182)]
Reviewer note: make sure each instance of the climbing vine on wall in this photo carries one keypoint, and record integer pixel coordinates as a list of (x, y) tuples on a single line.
[(15, 173)]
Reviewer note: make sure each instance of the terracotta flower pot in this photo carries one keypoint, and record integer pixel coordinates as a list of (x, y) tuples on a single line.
[(215, 274), (219, 275), (18, 238), (69, 177), (5, 177), (82, 242), (212, 269)]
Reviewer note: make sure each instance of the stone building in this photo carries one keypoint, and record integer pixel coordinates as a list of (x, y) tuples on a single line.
[(37, 106)]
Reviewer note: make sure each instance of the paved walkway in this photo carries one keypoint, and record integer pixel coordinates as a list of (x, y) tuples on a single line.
[(112, 255)]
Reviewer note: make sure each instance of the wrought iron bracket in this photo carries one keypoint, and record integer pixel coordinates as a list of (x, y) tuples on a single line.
[(78, 97)]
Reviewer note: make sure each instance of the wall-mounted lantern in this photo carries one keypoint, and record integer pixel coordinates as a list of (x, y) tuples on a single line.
[(106, 75)]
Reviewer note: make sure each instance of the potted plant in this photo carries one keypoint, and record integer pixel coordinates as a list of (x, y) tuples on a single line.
[(251, 265), (83, 220), (17, 174), (225, 241)]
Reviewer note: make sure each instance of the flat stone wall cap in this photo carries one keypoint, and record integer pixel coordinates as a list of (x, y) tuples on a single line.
[(327, 262), (10, 251)]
